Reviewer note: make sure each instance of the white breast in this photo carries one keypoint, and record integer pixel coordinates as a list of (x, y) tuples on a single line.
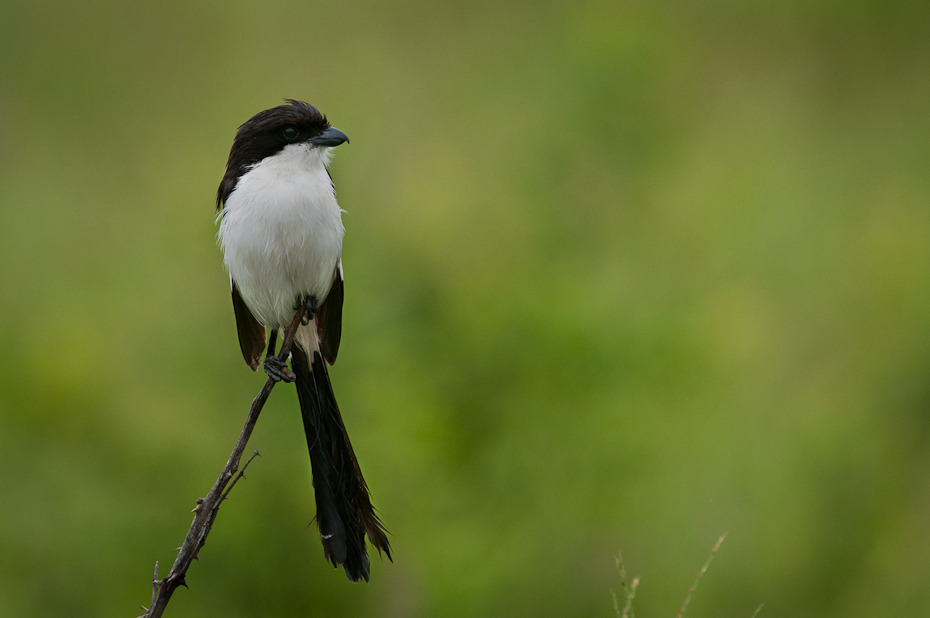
[(281, 232)]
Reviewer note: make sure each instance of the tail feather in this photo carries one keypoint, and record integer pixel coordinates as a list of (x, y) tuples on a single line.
[(344, 512)]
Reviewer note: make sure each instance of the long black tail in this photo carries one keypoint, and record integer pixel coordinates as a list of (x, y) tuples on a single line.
[(344, 512)]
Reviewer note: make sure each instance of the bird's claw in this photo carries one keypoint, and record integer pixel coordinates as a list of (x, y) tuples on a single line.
[(277, 369)]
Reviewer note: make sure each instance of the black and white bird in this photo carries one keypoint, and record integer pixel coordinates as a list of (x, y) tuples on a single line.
[(280, 231)]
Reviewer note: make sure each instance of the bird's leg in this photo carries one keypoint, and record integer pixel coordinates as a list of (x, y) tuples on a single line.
[(310, 303), (275, 367), (272, 342)]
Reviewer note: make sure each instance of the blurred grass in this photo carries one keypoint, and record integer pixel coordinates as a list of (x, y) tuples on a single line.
[(618, 275)]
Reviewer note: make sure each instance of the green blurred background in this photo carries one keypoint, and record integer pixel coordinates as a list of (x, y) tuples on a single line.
[(620, 276)]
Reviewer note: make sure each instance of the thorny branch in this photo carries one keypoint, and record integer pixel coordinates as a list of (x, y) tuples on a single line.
[(207, 508)]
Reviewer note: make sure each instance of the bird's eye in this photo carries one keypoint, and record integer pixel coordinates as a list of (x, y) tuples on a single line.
[(290, 133)]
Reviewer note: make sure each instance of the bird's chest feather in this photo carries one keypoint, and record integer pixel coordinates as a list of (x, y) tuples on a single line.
[(281, 234)]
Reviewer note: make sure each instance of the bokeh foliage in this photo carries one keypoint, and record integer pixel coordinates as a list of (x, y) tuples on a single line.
[(619, 275)]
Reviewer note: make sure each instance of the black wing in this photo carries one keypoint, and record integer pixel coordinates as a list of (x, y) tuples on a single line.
[(251, 332), (329, 318)]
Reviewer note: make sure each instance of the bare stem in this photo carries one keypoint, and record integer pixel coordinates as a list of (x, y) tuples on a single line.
[(713, 552), (629, 591)]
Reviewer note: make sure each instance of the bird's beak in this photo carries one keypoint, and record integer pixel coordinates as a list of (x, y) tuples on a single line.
[(330, 137)]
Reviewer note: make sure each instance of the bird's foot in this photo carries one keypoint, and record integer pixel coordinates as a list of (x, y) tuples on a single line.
[(277, 369), (310, 303)]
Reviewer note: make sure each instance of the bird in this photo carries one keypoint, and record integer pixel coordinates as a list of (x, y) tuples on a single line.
[(280, 233)]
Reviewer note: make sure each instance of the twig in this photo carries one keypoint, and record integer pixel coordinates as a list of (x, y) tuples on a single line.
[(241, 475), (207, 508), (713, 552)]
